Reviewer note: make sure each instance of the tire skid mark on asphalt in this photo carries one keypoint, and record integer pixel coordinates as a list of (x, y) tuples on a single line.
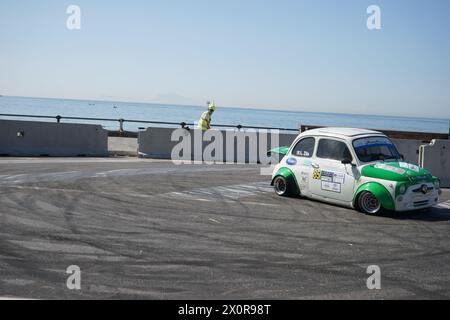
[(13, 176), (226, 192), (48, 246), (199, 194), (226, 205), (115, 248), (15, 257), (85, 239), (209, 196), (255, 203), (32, 223), (7, 180), (229, 262), (138, 195)]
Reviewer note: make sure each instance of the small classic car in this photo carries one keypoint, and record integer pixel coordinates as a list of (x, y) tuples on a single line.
[(357, 168)]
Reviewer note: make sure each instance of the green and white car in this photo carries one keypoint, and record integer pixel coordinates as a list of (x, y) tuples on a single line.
[(357, 168)]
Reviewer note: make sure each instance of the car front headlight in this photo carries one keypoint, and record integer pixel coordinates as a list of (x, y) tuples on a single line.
[(402, 189)]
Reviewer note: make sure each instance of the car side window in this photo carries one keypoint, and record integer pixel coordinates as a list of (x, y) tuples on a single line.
[(333, 149), (304, 148)]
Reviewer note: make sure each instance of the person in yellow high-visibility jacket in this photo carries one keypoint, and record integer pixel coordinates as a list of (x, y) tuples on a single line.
[(205, 120)]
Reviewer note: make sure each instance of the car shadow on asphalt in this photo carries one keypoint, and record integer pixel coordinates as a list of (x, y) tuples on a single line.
[(432, 214)]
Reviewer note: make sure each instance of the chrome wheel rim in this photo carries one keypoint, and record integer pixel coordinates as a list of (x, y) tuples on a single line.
[(280, 186), (369, 203)]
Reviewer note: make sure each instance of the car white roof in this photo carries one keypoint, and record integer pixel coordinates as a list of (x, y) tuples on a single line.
[(346, 133)]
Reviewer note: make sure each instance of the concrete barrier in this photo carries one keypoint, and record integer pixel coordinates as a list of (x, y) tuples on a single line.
[(409, 149), (435, 157), (235, 146), (156, 143), (122, 146), (30, 138)]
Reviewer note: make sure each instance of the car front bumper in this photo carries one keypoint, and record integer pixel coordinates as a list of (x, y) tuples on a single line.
[(416, 200)]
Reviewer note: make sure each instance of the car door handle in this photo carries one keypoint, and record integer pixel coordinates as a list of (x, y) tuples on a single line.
[(315, 166)]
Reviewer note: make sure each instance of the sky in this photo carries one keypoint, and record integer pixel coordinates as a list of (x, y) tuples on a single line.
[(296, 55)]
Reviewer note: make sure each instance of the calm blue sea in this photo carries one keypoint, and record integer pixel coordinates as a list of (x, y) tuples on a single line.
[(190, 114)]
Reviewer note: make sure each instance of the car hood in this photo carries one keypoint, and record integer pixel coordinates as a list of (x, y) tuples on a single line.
[(395, 171)]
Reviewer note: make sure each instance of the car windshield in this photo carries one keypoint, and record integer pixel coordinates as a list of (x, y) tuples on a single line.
[(375, 148)]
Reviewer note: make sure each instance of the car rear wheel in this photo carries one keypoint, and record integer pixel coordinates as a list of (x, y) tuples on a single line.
[(281, 186), (368, 203)]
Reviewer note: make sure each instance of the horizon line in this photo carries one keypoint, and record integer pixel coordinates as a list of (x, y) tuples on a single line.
[(228, 107)]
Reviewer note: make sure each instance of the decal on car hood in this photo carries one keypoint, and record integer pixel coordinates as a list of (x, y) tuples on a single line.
[(395, 171)]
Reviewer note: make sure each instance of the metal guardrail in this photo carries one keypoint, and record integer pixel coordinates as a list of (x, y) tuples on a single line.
[(58, 119)]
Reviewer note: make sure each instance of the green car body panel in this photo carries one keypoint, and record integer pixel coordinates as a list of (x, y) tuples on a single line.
[(379, 191), (392, 171), (290, 178)]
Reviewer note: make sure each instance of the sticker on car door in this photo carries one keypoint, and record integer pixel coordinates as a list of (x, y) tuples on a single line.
[(316, 174), (326, 176), (330, 180), (331, 186), (339, 177)]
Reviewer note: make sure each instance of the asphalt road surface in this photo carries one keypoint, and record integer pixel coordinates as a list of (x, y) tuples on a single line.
[(141, 229)]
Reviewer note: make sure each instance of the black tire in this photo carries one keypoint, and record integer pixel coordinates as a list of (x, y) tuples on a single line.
[(281, 186), (369, 204)]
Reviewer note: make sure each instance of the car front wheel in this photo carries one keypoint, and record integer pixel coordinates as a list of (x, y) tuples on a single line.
[(368, 203)]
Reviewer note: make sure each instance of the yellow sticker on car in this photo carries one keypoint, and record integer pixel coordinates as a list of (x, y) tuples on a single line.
[(316, 174)]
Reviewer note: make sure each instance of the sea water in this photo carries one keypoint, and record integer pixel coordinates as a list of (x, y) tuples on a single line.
[(191, 114)]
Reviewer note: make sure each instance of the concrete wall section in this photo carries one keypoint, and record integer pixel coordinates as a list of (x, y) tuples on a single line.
[(435, 157), (122, 146), (156, 143), (30, 138), (249, 146), (409, 149)]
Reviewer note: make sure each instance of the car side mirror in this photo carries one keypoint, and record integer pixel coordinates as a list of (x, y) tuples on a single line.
[(402, 157)]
